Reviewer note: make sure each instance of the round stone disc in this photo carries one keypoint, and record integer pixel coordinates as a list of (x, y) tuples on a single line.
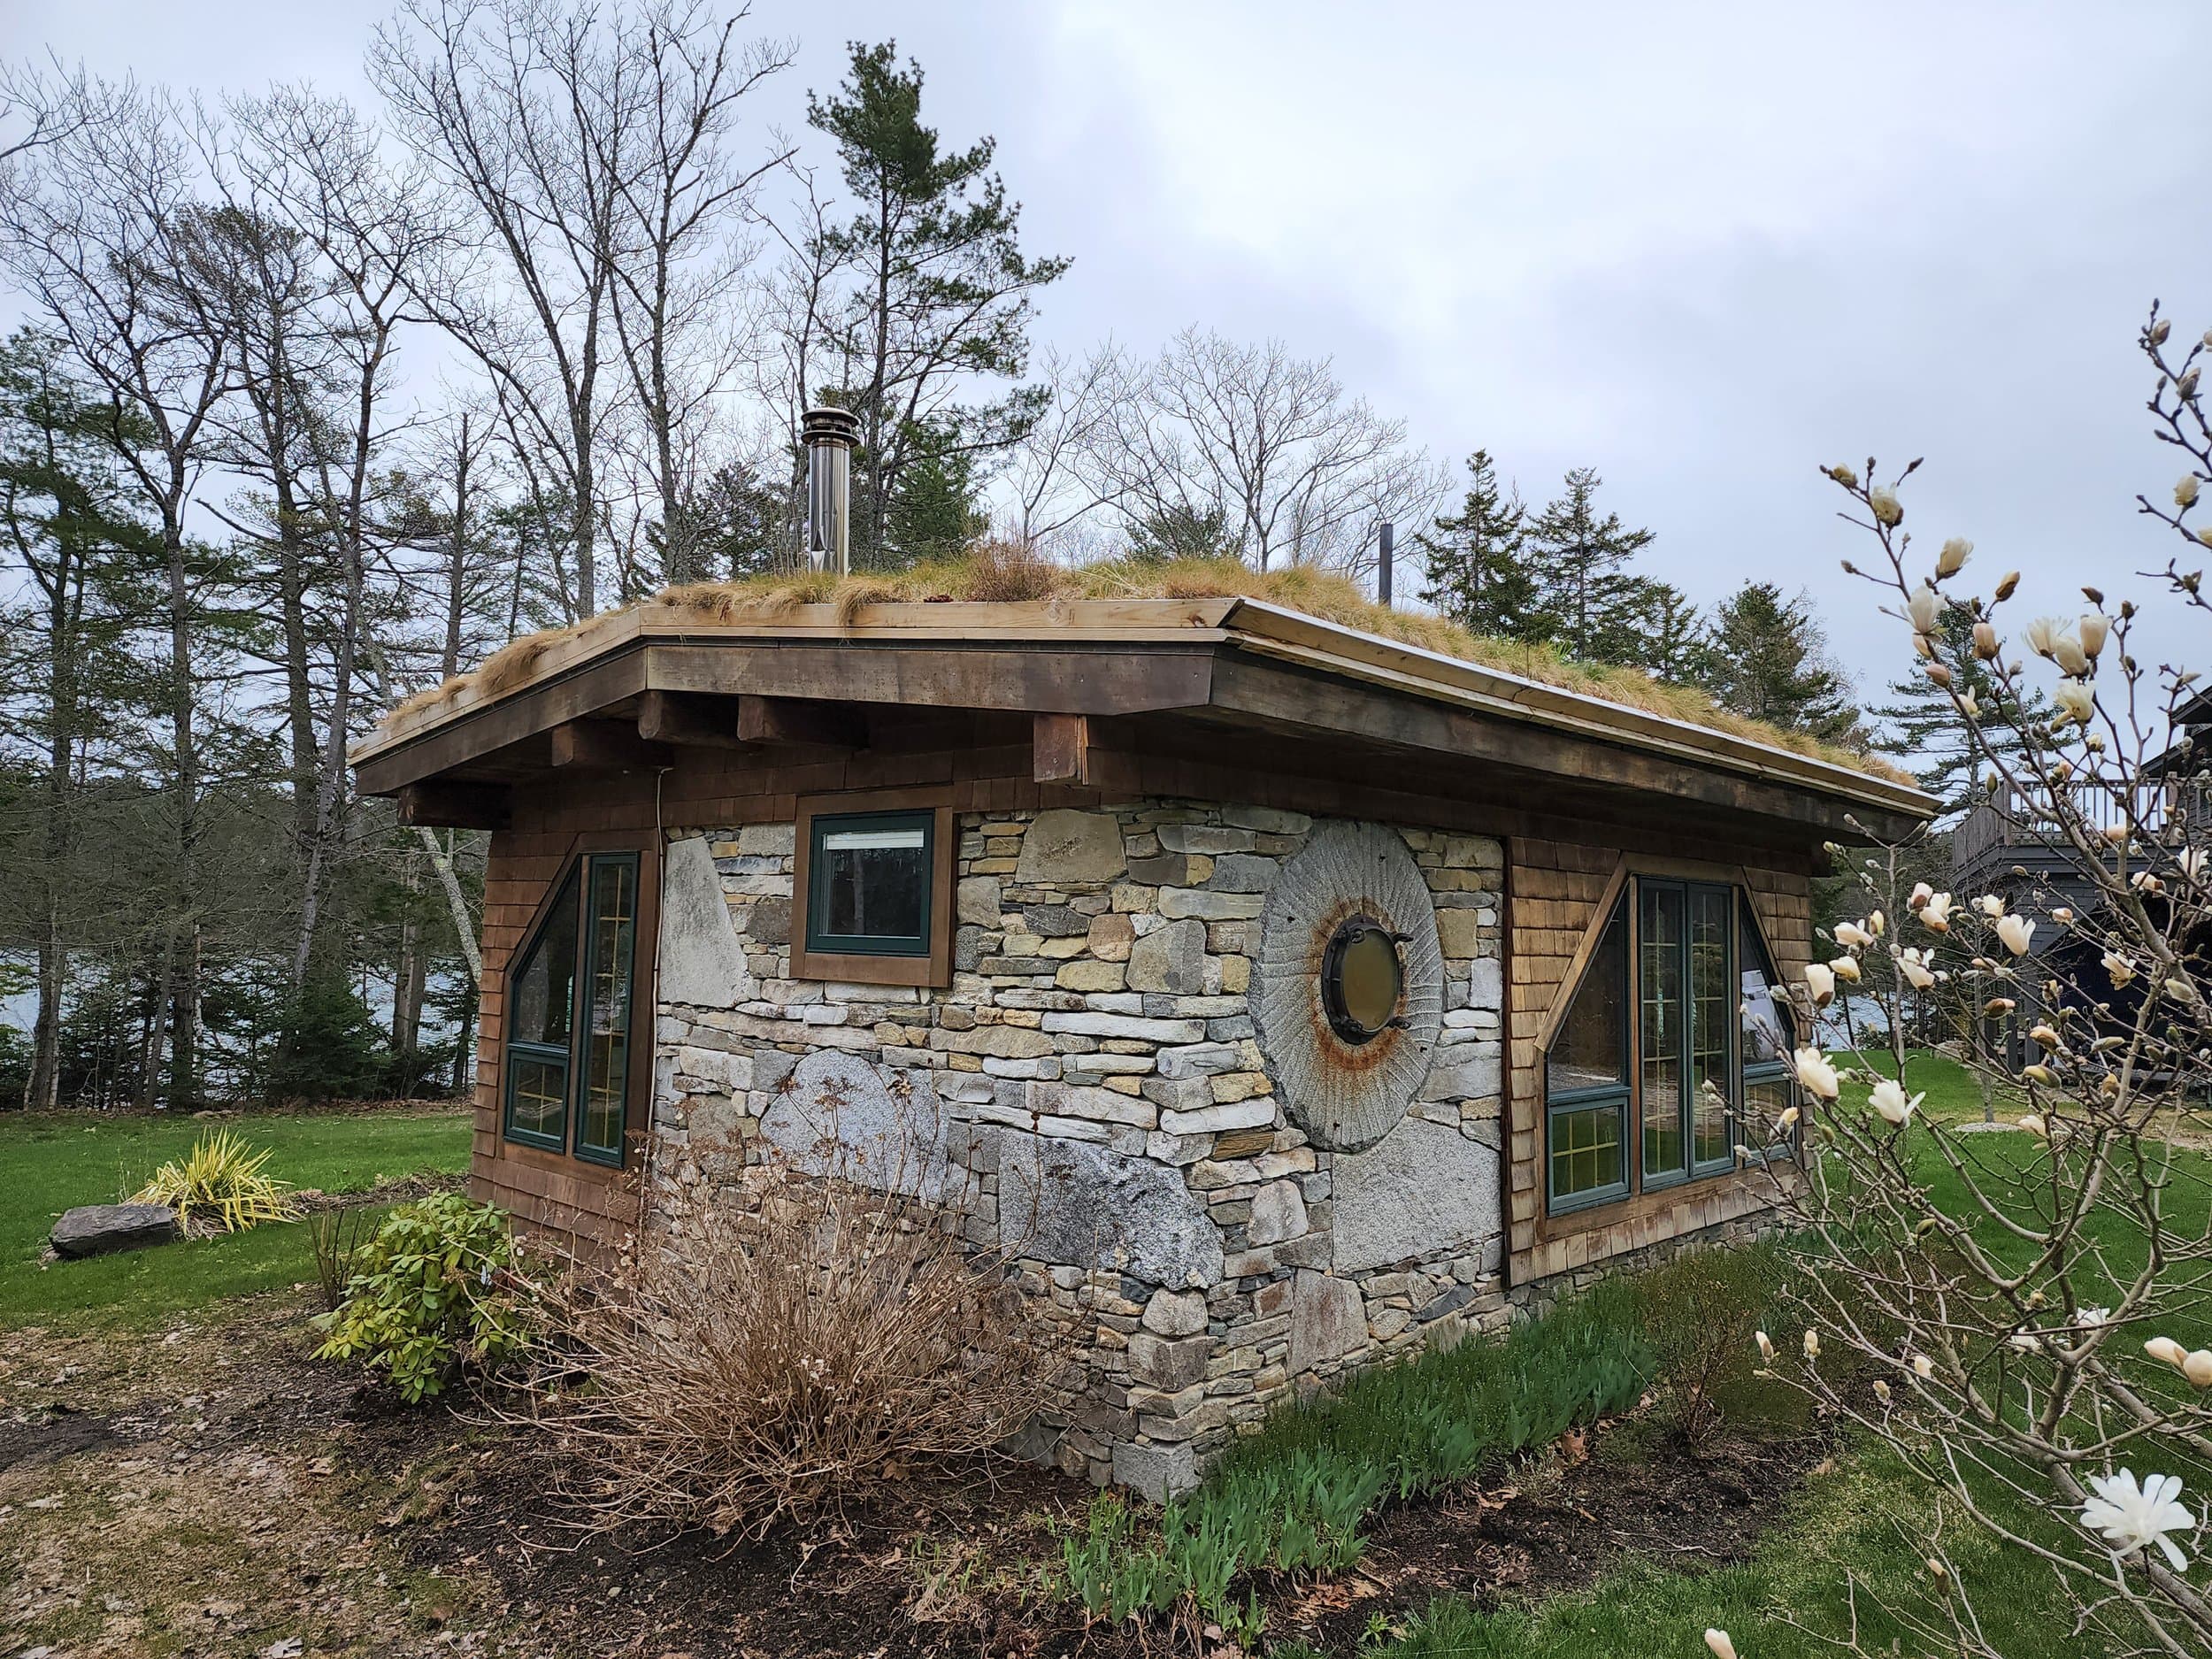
[(1345, 1095)]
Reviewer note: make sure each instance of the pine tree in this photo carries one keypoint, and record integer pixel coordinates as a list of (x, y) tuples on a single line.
[(1921, 726), (938, 290), (1677, 645), (1580, 564), (1475, 559), (1770, 662)]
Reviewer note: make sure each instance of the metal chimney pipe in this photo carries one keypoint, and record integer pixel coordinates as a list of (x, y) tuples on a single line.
[(829, 435), (1387, 569)]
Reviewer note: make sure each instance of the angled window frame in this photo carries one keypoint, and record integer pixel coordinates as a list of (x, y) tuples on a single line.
[(1618, 1095), (1623, 904), (587, 855)]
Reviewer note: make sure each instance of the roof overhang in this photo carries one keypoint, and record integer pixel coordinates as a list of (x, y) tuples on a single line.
[(1239, 661)]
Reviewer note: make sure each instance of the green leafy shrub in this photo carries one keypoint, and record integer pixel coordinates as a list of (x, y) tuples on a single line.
[(435, 1290), (1702, 1313), (223, 1183), (1291, 1498)]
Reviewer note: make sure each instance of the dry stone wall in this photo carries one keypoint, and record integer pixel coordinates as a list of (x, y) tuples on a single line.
[(1093, 1090)]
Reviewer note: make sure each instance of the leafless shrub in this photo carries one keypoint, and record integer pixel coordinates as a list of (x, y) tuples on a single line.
[(772, 1351)]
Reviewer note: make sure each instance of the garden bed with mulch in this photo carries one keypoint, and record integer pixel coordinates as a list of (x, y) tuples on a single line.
[(144, 1481), (961, 1564)]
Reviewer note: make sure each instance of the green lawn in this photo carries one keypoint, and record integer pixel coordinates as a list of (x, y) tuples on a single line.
[(49, 1162), (1789, 1599)]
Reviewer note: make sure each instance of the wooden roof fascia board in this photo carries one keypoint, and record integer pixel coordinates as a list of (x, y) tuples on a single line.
[(1034, 623), (1123, 673), (1276, 687), (1259, 626)]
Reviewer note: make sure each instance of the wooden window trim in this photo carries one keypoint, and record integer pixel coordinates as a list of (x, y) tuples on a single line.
[(637, 1106), (933, 969)]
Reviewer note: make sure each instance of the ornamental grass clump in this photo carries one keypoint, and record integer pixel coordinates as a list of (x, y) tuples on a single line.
[(221, 1185), (773, 1353)]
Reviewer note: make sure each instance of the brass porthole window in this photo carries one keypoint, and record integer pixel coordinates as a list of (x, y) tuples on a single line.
[(1363, 980)]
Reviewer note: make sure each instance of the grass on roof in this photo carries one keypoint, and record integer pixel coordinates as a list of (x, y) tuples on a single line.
[(1003, 575)]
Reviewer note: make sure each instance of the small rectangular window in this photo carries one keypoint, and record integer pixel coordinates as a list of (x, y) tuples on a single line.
[(869, 879)]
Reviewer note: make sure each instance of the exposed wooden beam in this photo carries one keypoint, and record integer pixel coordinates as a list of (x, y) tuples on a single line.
[(441, 805), (688, 719), (800, 720), (1060, 745), (605, 746)]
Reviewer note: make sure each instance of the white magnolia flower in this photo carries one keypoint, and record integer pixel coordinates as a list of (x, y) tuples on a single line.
[(1913, 965), (1876, 922), (1844, 968), (1935, 915), (2095, 627), (2196, 1365), (1888, 510), (2185, 491), (1920, 894), (1787, 1121), (1990, 905), (1952, 559), (2042, 634), (2133, 1516), (2017, 932), (2191, 861), (2164, 1348), (1888, 1098), (2074, 699), (2026, 1341), (2032, 1121), (1821, 982), (2117, 968), (2068, 653), (1766, 1346), (1854, 934), (2090, 1319), (1812, 1344), (1717, 1640), (1925, 609), (2064, 916), (1923, 1367), (1815, 1072)]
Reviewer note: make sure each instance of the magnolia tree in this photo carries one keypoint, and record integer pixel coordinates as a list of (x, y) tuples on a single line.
[(2020, 1309)]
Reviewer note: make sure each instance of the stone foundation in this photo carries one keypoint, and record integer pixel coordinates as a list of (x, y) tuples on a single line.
[(1093, 1091)]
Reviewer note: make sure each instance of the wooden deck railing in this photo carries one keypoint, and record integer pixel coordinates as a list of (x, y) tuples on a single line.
[(2012, 820)]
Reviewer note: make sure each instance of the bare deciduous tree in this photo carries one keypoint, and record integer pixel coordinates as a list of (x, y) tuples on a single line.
[(1266, 445)]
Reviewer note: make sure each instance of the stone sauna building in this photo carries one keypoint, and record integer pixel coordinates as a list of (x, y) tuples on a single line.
[(1285, 995)]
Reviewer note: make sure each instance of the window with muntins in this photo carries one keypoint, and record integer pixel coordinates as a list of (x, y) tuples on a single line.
[(569, 1005), (1674, 1028)]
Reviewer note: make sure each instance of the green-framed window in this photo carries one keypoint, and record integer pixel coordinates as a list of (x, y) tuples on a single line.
[(870, 883), (570, 995), (1674, 1029), (1586, 1081)]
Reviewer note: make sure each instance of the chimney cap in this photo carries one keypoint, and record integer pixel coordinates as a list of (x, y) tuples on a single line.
[(826, 424)]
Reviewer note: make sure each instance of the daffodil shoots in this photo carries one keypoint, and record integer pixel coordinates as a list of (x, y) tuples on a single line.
[(2015, 1299)]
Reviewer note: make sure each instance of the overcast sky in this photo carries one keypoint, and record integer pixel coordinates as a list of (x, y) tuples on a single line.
[(1699, 248)]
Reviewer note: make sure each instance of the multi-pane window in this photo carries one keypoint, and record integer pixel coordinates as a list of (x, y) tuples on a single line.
[(1586, 1078), (569, 996), (1673, 1027)]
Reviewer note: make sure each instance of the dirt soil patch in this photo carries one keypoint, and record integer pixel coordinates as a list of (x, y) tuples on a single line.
[(211, 1490)]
